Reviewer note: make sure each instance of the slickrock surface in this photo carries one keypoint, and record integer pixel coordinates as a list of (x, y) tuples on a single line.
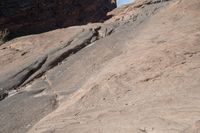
[(137, 72), (23, 17)]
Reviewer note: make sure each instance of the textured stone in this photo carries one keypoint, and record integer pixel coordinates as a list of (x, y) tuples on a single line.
[(22, 17), (137, 72), (3, 93)]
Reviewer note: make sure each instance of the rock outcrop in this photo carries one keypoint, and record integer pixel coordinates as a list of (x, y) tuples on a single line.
[(136, 72), (22, 17)]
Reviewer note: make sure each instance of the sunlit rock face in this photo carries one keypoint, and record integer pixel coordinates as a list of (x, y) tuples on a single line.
[(137, 72), (22, 17)]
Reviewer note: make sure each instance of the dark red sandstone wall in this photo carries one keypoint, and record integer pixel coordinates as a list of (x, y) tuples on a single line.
[(22, 17)]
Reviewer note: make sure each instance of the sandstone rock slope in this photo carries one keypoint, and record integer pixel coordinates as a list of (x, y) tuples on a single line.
[(137, 72)]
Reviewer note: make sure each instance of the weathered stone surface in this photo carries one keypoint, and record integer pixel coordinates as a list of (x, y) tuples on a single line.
[(3, 93), (22, 17), (23, 110), (195, 128), (13, 82), (73, 46), (37, 68), (137, 72)]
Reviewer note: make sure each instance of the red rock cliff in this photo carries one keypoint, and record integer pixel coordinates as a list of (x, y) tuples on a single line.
[(22, 17)]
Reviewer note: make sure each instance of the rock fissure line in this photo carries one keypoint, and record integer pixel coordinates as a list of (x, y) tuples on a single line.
[(47, 62), (54, 59), (51, 60), (17, 79)]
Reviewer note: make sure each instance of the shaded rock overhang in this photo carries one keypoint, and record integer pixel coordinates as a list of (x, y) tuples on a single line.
[(24, 17)]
